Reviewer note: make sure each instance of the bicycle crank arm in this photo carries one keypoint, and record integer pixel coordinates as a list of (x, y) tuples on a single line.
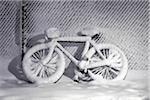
[(98, 64)]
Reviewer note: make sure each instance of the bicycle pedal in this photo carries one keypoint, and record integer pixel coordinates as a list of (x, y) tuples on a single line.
[(76, 81)]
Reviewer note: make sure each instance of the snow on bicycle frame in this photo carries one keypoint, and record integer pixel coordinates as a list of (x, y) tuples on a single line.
[(100, 61), (55, 44)]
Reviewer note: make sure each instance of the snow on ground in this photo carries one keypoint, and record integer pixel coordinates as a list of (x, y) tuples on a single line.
[(66, 89)]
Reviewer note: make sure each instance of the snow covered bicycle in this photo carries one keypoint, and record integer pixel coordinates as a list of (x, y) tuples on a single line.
[(45, 62)]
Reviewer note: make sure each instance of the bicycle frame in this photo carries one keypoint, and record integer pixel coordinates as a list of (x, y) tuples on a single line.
[(98, 61), (55, 44)]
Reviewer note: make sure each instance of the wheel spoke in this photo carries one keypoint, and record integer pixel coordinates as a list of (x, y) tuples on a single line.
[(104, 73), (35, 56), (108, 74), (51, 70), (95, 59), (100, 54), (116, 57), (116, 61), (114, 71), (107, 53), (95, 69), (41, 72), (101, 71), (52, 67), (103, 52), (44, 53), (37, 70), (111, 54), (34, 60), (33, 64), (116, 66), (44, 72), (40, 54), (48, 73)]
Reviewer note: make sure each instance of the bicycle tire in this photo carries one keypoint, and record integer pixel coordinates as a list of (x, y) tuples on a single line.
[(123, 71), (51, 78)]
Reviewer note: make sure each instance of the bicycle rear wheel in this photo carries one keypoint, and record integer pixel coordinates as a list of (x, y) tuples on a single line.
[(116, 70), (37, 72)]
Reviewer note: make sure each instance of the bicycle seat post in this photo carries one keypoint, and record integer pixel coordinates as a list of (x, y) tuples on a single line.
[(46, 37)]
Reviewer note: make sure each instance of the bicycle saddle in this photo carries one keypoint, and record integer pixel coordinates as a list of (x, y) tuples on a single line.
[(52, 33), (89, 31)]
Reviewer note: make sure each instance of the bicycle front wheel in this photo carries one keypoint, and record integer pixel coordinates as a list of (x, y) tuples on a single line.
[(117, 67), (37, 72)]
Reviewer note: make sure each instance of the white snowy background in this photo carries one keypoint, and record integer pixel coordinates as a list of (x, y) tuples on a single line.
[(124, 23)]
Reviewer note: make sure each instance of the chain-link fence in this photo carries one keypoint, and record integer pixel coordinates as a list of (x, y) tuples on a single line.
[(123, 23)]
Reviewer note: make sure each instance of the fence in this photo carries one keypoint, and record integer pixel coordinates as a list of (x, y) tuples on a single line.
[(123, 23)]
